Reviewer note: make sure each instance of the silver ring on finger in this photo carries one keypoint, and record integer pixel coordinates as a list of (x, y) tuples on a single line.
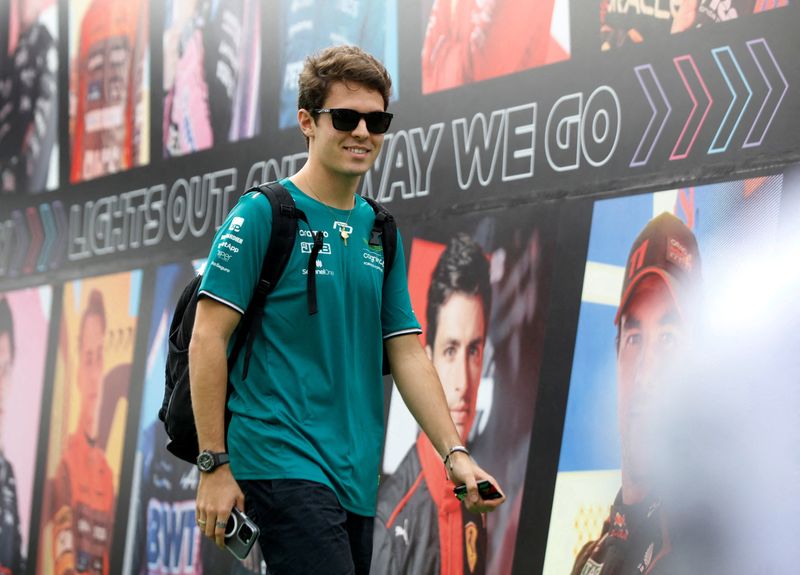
[(221, 524)]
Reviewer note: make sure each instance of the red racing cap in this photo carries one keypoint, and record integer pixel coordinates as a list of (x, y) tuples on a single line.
[(667, 248)]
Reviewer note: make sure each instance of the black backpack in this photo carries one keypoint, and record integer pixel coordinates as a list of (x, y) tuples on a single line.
[(176, 407)]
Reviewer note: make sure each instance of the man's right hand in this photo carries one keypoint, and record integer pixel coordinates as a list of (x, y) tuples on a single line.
[(217, 494), (463, 470)]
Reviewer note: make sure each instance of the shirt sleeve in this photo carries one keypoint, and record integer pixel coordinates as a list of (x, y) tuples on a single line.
[(397, 317), (237, 253)]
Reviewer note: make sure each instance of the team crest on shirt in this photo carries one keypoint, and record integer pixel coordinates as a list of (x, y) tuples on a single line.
[(471, 544), (236, 224), (373, 248), (342, 227)]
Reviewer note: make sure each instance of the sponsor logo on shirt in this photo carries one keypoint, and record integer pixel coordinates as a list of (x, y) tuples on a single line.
[(659, 9), (648, 558), (402, 531), (228, 246), (233, 238), (321, 271), (236, 224), (305, 248), (372, 260)]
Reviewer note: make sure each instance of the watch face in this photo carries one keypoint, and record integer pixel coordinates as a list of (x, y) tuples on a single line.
[(205, 461)]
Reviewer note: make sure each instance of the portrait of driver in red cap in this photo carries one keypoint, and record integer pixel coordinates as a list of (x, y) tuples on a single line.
[(662, 270)]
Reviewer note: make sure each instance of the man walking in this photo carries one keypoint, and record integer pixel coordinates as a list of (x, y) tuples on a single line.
[(306, 431)]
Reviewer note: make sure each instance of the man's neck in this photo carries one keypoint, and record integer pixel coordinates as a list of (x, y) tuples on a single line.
[(632, 492), (336, 191)]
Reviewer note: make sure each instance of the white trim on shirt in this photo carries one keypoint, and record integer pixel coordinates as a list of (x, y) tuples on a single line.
[(220, 300), (402, 332)]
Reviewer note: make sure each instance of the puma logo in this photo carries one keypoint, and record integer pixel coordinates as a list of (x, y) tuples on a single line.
[(402, 531)]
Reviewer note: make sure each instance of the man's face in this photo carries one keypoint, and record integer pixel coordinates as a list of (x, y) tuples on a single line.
[(345, 153), (6, 363), (457, 355), (651, 330), (90, 368)]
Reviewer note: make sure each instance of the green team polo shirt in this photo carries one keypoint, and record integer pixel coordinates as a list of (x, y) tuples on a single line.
[(312, 404)]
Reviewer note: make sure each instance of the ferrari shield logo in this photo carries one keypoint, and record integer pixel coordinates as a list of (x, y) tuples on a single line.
[(471, 544)]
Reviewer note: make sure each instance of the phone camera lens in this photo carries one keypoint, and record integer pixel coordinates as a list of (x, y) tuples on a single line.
[(233, 523), (245, 533)]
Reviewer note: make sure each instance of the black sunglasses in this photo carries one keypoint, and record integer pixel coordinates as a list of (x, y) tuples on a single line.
[(347, 120)]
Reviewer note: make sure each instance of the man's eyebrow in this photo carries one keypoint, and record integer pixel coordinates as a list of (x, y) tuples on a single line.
[(670, 318), (458, 342), (629, 322)]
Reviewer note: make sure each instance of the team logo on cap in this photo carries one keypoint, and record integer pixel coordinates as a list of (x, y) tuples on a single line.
[(637, 258), (678, 254)]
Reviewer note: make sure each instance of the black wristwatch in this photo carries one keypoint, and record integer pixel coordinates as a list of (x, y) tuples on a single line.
[(208, 461)]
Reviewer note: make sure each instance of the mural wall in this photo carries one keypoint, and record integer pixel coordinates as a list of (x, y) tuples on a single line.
[(625, 175)]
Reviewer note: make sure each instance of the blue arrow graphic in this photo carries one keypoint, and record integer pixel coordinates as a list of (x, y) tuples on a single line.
[(725, 59)]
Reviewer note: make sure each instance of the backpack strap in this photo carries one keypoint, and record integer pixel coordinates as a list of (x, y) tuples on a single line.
[(282, 241), (311, 281), (384, 232), (284, 229)]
